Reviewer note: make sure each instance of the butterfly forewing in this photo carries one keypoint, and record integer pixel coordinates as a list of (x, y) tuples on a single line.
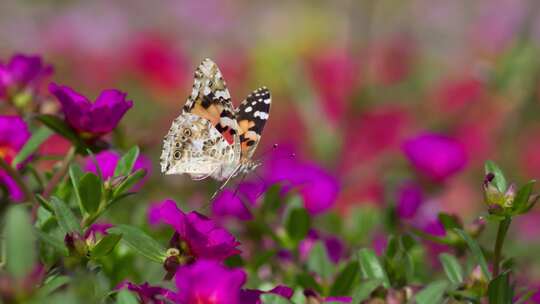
[(211, 100), (252, 115)]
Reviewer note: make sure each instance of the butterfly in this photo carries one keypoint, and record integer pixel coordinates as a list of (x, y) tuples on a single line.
[(210, 138)]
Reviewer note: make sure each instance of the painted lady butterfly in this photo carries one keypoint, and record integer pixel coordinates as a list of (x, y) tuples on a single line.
[(210, 137)]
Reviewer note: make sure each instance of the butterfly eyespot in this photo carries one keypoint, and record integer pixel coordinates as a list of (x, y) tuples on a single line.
[(186, 132), (177, 154), (177, 144), (213, 153)]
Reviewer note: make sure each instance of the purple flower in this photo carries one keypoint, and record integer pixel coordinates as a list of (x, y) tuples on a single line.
[(338, 299), (13, 135), (434, 155), (316, 186), (203, 238), (21, 73), (91, 119), (235, 203), (410, 197), (96, 228), (209, 282), (107, 161), (252, 296), (334, 246), (148, 293)]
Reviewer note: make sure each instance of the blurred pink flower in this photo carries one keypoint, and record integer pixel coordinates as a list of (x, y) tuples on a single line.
[(235, 203), (527, 226), (209, 282), (435, 156), (107, 161), (409, 198), (148, 293), (334, 246), (159, 62), (22, 73), (252, 296), (13, 135), (335, 74), (456, 94), (391, 61), (318, 188), (373, 133)]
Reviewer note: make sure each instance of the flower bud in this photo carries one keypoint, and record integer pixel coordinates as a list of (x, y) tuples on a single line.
[(496, 200)]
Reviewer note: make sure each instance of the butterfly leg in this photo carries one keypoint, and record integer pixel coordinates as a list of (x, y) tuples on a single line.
[(235, 171)]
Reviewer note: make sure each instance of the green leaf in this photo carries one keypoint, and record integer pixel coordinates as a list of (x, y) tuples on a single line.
[(499, 181), (371, 267), (432, 294), (521, 200), (19, 242), (308, 282), (75, 174), (364, 290), (141, 242), (44, 203), (319, 262), (129, 182), (51, 285), (452, 268), (449, 221), (270, 298), (297, 224), (90, 192), (272, 199), (32, 145), (66, 218), (500, 291), (105, 246), (126, 162), (61, 128), (345, 279), (50, 240), (476, 252), (125, 296)]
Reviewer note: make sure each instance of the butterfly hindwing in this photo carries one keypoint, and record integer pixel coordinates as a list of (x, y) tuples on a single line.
[(251, 116), (211, 100)]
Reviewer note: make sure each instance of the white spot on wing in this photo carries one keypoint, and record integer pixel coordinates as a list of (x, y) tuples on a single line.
[(261, 115), (249, 109), (267, 101)]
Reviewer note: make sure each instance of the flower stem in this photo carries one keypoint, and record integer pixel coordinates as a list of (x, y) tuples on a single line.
[(13, 173), (55, 179), (501, 234), (60, 173)]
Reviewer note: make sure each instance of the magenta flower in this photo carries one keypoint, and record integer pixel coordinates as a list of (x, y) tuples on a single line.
[(209, 282), (235, 203), (97, 228), (436, 156), (334, 74), (252, 296), (13, 135), (91, 119), (409, 199), (148, 293), (22, 73), (334, 246), (317, 187), (338, 299), (203, 238), (107, 161)]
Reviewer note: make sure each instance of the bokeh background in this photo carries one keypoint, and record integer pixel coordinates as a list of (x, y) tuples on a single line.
[(351, 82)]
